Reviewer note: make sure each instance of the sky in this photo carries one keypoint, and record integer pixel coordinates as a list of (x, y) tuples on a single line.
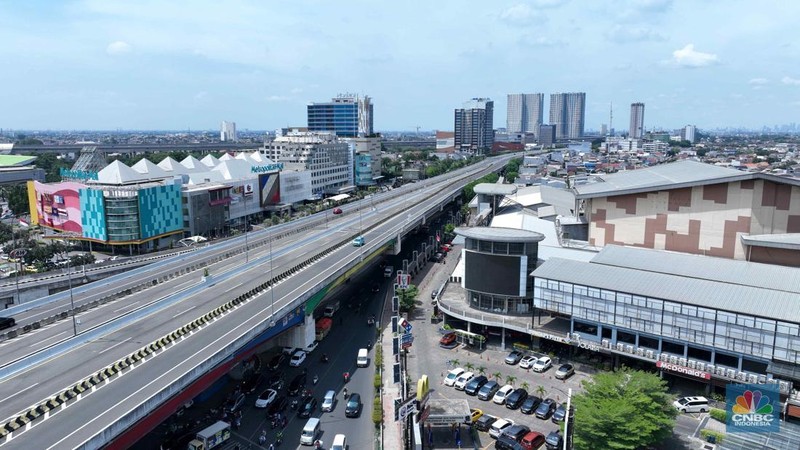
[(178, 65)]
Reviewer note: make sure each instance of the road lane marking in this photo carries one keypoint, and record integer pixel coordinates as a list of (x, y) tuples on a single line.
[(18, 392), (126, 306), (115, 345), (185, 311), (47, 339)]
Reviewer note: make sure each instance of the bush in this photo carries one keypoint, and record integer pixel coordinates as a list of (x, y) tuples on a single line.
[(377, 410), (704, 434), (377, 382), (718, 414)]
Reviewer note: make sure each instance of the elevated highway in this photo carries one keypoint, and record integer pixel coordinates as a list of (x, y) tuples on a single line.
[(180, 334)]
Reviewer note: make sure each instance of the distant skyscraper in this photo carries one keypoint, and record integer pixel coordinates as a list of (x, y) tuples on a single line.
[(227, 132), (636, 130), (347, 115), (547, 135), (568, 114), (474, 126), (524, 113), (688, 133)]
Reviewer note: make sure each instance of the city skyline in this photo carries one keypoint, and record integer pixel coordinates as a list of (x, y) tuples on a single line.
[(93, 65)]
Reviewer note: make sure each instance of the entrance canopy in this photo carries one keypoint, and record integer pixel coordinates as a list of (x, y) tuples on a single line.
[(338, 198)]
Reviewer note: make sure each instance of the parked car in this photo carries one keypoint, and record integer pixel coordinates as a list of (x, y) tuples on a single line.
[(500, 396), (329, 401), (265, 398), (532, 440), (307, 407), (462, 380), (276, 361), (527, 361), (287, 350), (312, 346), (505, 442), (560, 414), (337, 210), (691, 404), (499, 426), (488, 390), (452, 376), (542, 364), (297, 384), (475, 414), (448, 341), (485, 422), (353, 407), (234, 403), (516, 432), (277, 406), (475, 385), (565, 371), (546, 409), (514, 357), (553, 441), (297, 358), (515, 399), (530, 404)]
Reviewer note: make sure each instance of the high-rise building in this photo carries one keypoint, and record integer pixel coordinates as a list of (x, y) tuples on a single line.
[(347, 115), (474, 129), (568, 114), (688, 133), (227, 132), (547, 135), (524, 113), (636, 131)]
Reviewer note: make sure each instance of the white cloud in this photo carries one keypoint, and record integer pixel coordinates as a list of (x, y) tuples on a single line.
[(623, 34), (118, 48), (689, 57), (521, 14), (549, 3), (791, 81), (296, 90), (758, 81), (201, 96), (277, 98), (540, 41)]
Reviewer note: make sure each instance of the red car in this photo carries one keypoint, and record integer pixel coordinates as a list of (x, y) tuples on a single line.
[(448, 340), (337, 210)]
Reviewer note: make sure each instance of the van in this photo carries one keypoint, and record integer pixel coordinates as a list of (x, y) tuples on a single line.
[(330, 310), (692, 404), (310, 432), (339, 442), (363, 358)]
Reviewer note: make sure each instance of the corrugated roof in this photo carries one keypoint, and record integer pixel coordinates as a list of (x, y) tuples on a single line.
[(693, 291), (495, 189), (16, 160), (789, 241), (724, 270)]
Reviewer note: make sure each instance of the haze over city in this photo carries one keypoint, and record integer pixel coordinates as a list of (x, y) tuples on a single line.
[(179, 65)]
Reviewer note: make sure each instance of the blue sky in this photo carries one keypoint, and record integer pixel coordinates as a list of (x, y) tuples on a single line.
[(100, 64)]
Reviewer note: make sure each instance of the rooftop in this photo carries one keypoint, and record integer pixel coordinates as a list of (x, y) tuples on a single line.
[(790, 241), (16, 160), (499, 234), (495, 189)]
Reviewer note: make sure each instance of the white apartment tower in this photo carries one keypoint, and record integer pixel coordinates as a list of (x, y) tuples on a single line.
[(525, 113), (636, 129), (227, 132), (688, 133), (568, 114)]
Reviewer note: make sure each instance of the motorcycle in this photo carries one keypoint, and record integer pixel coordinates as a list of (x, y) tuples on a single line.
[(324, 358), (314, 380), (346, 377), (263, 438), (295, 404)]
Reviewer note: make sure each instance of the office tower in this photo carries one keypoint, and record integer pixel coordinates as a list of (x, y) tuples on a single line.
[(347, 115), (603, 130), (474, 131), (688, 133), (636, 129), (568, 113), (227, 132), (524, 113), (547, 135)]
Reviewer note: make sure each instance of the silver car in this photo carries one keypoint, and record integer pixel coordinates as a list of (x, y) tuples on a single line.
[(329, 401)]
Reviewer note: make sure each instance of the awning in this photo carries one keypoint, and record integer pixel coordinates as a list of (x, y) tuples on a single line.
[(338, 198)]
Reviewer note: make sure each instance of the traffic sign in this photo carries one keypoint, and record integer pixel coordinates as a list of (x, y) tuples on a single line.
[(406, 326), (407, 338)]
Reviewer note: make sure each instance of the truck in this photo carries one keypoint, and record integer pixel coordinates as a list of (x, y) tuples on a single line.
[(331, 309), (323, 327), (211, 437)]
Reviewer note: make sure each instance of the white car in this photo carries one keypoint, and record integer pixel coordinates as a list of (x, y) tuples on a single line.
[(527, 362), (499, 426), (287, 350), (312, 346), (542, 364), (462, 380), (266, 398), (452, 376), (328, 401), (297, 358), (500, 396)]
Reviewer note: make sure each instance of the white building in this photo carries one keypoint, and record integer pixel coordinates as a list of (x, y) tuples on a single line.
[(227, 132), (688, 133)]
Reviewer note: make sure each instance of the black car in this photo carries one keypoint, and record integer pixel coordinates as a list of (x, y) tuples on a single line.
[(475, 385), (276, 361), (530, 404), (516, 432), (485, 422), (353, 408), (307, 407), (488, 390), (252, 383), (546, 409), (506, 443), (297, 384), (277, 406), (515, 399), (560, 414), (275, 381), (553, 441)]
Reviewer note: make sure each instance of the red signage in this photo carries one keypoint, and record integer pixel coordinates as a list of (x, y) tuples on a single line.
[(683, 370)]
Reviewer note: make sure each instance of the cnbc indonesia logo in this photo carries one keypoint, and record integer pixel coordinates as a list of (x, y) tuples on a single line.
[(752, 409)]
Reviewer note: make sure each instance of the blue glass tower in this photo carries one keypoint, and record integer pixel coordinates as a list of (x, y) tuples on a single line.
[(346, 116)]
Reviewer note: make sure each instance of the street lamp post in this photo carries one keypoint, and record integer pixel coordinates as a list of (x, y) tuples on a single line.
[(17, 254), (272, 281), (69, 280), (246, 226)]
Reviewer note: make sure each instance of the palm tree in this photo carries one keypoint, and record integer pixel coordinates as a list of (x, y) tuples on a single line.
[(497, 376), (481, 370), (469, 366), (541, 391), (455, 362), (525, 385), (510, 379)]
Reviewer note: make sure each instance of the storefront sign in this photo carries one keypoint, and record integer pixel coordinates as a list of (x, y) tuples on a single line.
[(589, 346), (682, 369), (266, 168), (77, 174)]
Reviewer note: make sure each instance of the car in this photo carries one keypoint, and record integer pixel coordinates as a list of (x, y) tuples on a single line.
[(265, 398), (692, 404), (376, 287), (462, 380), (329, 401), (532, 440), (276, 361), (252, 383), (297, 358), (353, 407), (275, 381), (514, 357), (359, 241), (542, 364), (307, 407), (297, 384), (564, 371), (234, 403), (499, 426), (337, 210), (527, 361), (439, 256), (485, 422), (287, 350), (516, 432), (475, 385), (448, 341), (488, 390), (546, 409), (312, 346), (502, 393), (530, 404), (452, 376), (504, 442), (277, 406), (553, 441), (475, 414), (515, 399), (560, 414)]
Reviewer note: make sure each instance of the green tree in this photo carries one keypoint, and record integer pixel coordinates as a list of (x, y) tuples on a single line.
[(525, 385), (18, 199), (408, 297), (497, 376), (469, 366), (510, 379), (541, 391), (626, 409)]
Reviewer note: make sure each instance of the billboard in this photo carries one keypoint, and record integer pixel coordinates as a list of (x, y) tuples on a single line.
[(56, 205), (269, 188), (495, 274)]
